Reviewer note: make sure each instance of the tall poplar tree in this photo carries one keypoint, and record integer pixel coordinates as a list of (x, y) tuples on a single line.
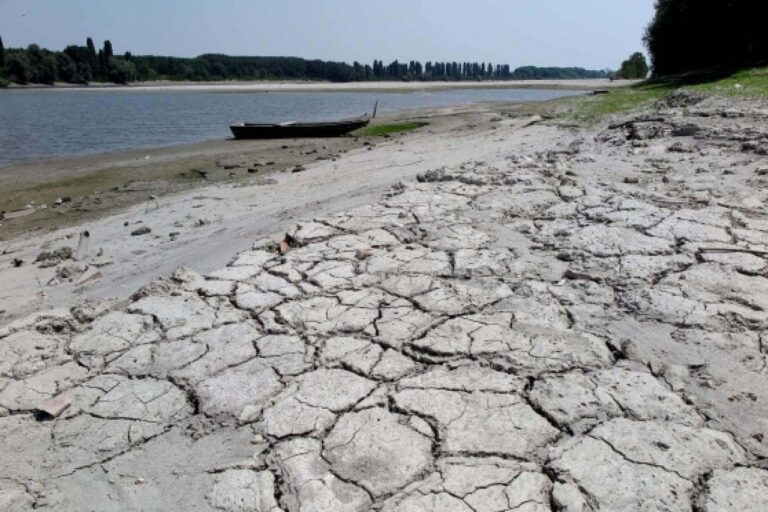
[(108, 50)]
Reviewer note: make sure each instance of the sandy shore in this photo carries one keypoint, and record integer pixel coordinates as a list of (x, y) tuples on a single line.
[(281, 86)]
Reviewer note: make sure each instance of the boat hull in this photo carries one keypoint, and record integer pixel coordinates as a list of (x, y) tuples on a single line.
[(296, 130)]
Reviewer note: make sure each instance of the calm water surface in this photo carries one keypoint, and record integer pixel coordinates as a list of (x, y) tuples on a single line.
[(38, 124)]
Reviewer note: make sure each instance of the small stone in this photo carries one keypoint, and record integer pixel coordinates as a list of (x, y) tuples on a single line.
[(632, 180), (581, 276), (144, 230), (631, 351), (55, 406), (363, 254)]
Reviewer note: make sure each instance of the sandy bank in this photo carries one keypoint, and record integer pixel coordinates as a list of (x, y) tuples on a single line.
[(282, 86)]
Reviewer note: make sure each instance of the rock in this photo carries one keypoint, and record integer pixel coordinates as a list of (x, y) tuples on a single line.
[(363, 254), (55, 406), (631, 351), (581, 276), (631, 180), (144, 230), (679, 147)]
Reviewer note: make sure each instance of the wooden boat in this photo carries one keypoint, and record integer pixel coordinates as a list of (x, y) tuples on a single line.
[(294, 130), (297, 130)]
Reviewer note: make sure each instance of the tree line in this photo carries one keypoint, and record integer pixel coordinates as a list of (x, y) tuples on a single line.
[(692, 35), (84, 64), (75, 65)]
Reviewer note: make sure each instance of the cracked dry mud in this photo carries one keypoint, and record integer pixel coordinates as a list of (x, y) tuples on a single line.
[(535, 334)]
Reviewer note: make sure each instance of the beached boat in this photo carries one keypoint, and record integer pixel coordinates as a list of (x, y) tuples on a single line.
[(298, 130), (294, 130)]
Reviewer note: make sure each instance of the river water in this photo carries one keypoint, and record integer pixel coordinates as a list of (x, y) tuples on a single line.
[(42, 124)]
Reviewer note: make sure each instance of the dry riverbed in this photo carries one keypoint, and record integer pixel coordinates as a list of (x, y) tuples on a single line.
[(533, 318)]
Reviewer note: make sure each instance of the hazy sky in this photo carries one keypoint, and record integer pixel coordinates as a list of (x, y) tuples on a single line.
[(589, 33)]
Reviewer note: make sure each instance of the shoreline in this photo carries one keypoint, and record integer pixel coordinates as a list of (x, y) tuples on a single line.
[(179, 194), (403, 110), (302, 86), (101, 184)]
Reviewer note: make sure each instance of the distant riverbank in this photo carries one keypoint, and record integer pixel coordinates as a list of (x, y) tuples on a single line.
[(310, 86)]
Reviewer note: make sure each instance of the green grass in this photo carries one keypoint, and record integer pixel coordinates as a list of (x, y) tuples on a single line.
[(385, 129), (751, 83), (746, 83)]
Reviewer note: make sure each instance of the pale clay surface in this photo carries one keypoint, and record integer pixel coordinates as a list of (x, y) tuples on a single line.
[(534, 333)]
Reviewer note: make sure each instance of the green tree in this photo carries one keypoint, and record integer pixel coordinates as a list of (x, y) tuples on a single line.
[(84, 73), (19, 68), (66, 68), (688, 35), (633, 68), (43, 65), (102, 66), (121, 71), (92, 58), (2, 53), (108, 49)]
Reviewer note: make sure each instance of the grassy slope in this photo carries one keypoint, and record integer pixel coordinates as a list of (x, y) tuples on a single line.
[(747, 83)]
